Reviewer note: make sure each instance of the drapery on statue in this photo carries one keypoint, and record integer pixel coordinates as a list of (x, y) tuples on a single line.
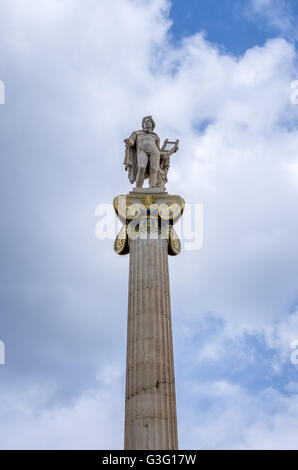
[(145, 159)]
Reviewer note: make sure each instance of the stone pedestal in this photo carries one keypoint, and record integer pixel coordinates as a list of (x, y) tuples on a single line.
[(150, 402)]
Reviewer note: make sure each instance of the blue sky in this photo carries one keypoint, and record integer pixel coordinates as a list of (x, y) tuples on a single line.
[(79, 77), (231, 24)]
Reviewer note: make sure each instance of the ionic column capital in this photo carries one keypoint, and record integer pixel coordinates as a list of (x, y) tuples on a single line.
[(148, 216)]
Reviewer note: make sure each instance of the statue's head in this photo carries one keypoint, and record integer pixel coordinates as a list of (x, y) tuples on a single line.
[(148, 124)]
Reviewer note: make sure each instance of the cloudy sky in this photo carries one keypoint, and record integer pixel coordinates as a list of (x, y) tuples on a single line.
[(79, 76)]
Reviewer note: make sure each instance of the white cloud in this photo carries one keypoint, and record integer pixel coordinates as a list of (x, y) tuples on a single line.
[(31, 421), (79, 77), (237, 420), (246, 270), (281, 336), (276, 13)]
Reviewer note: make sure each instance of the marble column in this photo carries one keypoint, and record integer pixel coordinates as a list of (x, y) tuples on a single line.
[(150, 401)]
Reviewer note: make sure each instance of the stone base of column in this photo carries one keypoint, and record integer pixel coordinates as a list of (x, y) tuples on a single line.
[(148, 191)]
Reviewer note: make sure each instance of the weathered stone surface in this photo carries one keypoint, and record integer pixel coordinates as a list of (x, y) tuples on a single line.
[(145, 214), (150, 403), (148, 191), (145, 158)]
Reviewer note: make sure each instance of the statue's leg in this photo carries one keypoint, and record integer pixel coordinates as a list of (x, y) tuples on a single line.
[(142, 165), (154, 165)]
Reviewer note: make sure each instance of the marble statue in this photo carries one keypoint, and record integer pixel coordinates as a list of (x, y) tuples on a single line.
[(144, 158)]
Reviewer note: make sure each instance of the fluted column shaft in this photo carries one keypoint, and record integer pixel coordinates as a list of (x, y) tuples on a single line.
[(150, 402)]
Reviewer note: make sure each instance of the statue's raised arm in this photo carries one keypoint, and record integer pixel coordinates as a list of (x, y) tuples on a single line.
[(145, 159)]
